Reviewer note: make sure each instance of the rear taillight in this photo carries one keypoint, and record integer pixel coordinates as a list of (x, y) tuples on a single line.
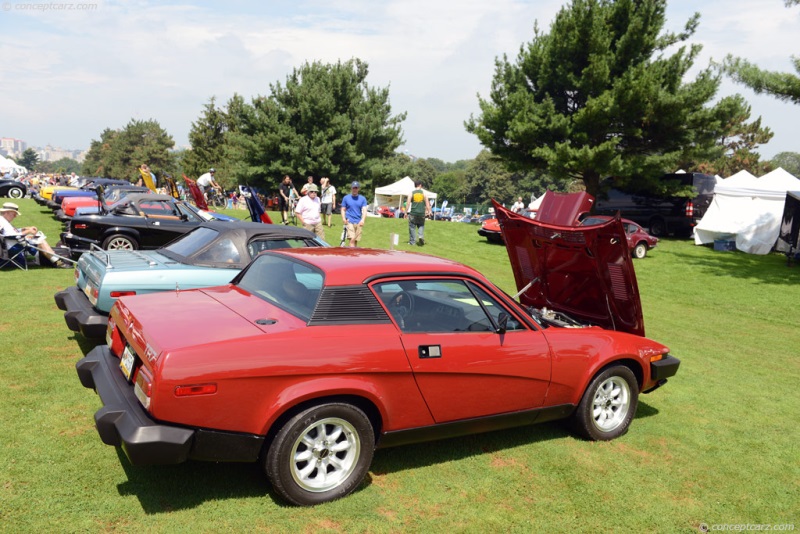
[(143, 386), (93, 294), (114, 339), (690, 209), (118, 294), (196, 389)]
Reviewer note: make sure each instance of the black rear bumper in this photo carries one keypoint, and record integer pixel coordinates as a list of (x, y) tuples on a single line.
[(79, 313), (123, 422)]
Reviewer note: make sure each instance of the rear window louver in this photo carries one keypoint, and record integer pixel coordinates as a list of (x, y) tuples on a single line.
[(348, 305)]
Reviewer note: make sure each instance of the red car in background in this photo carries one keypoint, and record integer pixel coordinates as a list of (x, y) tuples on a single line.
[(385, 211), (639, 241), (415, 348)]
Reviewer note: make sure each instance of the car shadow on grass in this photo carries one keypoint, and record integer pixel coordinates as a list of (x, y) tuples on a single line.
[(167, 488)]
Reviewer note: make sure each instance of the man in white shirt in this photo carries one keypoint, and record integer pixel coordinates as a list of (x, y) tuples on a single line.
[(207, 180), (308, 211), (33, 239)]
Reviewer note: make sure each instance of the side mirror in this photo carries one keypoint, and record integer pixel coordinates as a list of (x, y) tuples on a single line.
[(502, 322)]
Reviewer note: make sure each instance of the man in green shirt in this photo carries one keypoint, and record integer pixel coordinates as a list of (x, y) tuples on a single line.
[(418, 209)]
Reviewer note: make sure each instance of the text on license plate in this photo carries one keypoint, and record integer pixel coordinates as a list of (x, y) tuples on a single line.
[(126, 362)]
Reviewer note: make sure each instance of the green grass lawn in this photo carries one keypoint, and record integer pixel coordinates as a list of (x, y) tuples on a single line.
[(719, 444)]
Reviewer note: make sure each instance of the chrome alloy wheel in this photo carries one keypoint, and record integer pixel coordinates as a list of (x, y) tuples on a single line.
[(611, 403), (325, 454)]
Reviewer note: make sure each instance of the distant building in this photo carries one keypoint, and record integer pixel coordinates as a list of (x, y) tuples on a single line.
[(50, 153), (10, 146)]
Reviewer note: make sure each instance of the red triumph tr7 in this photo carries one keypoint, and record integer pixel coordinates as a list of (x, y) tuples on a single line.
[(310, 359)]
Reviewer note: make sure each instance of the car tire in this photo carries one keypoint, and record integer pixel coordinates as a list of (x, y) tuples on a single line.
[(658, 227), (298, 462), (15, 192), (120, 242), (640, 251), (608, 405)]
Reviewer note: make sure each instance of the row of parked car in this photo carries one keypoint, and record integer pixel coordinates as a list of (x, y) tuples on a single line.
[(663, 214), (211, 341)]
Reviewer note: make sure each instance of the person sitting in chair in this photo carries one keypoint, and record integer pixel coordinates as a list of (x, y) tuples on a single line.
[(33, 239)]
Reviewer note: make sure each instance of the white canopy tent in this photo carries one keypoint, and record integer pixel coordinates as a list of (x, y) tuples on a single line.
[(747, 209), (7, 165), (394, 194)]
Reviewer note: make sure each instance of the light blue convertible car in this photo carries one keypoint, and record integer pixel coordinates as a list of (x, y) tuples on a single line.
[(210, 255)]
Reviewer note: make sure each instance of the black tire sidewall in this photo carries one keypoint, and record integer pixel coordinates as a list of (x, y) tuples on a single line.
[(278, 466), (583, 422)]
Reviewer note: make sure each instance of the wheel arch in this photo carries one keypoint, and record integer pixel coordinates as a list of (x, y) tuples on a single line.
[(361, 402), (627, 361), (121, 230)]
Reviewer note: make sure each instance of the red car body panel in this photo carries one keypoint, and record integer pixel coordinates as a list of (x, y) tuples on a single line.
[(584, 271), (250, 361), (70, 204), (564, 209)]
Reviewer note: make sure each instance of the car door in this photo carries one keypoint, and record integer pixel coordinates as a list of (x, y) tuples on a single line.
[(163, 222), (463, 367)]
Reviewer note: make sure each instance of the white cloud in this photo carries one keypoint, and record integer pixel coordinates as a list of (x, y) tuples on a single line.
[(75, 73)]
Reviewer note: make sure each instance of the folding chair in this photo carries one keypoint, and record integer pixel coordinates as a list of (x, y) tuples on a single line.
[(13, 251)]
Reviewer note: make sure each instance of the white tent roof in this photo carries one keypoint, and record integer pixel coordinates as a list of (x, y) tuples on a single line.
[(749, 209), (7, 165), (394, 194)]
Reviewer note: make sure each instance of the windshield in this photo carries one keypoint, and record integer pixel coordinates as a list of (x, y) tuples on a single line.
[(294, 287)]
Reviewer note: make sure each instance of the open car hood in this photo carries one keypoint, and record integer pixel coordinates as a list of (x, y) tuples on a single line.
[(585, 272)]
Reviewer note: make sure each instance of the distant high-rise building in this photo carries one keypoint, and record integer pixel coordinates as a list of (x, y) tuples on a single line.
[(10, 146)]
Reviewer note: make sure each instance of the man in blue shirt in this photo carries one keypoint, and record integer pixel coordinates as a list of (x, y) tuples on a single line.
[(354, 212)]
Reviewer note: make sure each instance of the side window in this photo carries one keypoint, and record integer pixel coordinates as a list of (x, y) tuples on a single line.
[(496, 310), (223, 251), (157, 208), (258, 246), (439, 306)]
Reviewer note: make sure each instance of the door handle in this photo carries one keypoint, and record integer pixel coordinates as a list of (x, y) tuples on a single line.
[(429, 351)]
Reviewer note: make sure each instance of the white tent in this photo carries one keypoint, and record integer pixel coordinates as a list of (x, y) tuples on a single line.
[(395, 194), (7, 165), (747, 209)]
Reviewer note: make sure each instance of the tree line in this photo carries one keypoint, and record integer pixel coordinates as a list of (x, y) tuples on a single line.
[(604, 93)]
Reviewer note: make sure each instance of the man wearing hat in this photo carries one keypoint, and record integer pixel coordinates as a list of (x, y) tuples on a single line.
[(34, 239), (308, 211), (354, 212)]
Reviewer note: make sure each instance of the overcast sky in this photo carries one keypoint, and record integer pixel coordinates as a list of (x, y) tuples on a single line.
[(69, 74)]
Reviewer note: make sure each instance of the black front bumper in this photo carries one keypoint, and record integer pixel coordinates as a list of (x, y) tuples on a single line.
[(123, 422), (79, 313), (664, 368)]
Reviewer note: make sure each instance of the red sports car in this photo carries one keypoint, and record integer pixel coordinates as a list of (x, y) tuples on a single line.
[(639, 241), (312, 358)]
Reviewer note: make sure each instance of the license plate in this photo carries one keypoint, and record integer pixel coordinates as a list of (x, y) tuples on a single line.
[(126, 362)]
